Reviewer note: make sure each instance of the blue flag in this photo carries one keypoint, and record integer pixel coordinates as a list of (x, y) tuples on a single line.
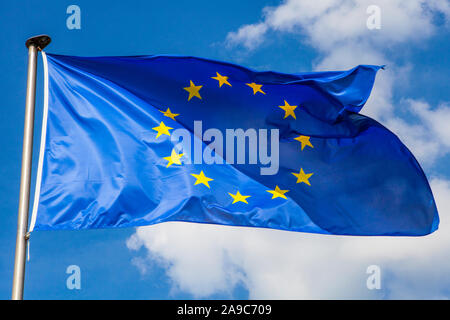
[(134, 141)]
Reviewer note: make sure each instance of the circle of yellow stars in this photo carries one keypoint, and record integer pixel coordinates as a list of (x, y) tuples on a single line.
[(201, 178)]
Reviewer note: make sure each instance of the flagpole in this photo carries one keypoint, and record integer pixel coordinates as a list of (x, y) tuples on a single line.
[(33, 44)]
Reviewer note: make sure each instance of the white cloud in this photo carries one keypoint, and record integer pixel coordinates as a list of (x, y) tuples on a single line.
[(429, 136), (206, 259), (437, 120), (331, 23), (250, 36), (195, 263)]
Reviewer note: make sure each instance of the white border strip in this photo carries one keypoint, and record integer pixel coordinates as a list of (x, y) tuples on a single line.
[(37, 190)]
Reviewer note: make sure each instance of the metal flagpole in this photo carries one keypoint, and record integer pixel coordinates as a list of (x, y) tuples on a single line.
[(33, 44)]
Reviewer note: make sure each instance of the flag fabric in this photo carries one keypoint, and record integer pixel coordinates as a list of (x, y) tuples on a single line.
[(134, 141)]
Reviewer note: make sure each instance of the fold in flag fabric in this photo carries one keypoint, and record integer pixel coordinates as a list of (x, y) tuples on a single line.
[(134, 141)]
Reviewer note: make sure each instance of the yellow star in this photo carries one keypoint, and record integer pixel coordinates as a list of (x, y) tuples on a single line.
[(289, 110), (162, 129), (305, 141), (238, 197), (222, 79), (256, 87), (278, 193), (303, 177), (201, 178), (193, 90), (173, 158), (169, 114)]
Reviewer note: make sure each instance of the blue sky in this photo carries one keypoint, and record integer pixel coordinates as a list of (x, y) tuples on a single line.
[(411, 97)]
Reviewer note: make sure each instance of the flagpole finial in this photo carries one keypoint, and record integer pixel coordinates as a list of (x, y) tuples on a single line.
[(40, 41)]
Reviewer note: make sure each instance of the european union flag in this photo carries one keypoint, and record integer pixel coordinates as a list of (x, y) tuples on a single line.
[(133, 141)]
